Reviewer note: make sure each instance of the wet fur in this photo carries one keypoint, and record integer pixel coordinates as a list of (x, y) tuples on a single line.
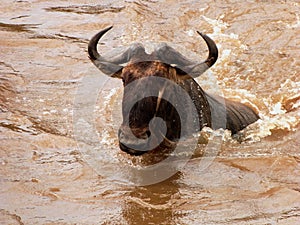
[(209, 107)]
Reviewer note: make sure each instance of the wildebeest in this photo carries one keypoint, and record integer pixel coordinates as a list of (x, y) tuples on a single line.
[(165, 62)]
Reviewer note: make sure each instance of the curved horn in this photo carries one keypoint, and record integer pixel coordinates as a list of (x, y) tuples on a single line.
[(111, 66), (213, 50), (101, 63), (92, 47), (198, 69), (170, 56)]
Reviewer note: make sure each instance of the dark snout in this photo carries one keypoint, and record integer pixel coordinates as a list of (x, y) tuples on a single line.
[(136, 143)]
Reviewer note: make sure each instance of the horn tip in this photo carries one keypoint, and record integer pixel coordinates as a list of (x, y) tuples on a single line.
[(110, 27), (201, 34)]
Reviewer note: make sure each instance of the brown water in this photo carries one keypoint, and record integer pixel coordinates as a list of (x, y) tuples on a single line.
[(48, 178)]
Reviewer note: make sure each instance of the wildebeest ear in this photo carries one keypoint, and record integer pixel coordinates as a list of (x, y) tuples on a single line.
[(182, 75)]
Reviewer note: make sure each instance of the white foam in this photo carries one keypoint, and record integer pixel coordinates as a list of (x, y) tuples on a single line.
[(190, 33), (218, 25), (53, 111), (106, 138), (277, 109), (109, 96), (296, 24)]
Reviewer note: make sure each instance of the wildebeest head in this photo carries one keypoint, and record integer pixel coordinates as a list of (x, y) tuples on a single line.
[(139, 132)]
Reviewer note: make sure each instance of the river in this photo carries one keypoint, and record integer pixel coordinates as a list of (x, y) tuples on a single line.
[(52, 97)]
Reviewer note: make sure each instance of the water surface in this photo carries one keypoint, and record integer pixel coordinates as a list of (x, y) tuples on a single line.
[(45, 177)]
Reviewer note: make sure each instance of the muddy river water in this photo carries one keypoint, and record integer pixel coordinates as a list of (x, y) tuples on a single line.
[(50, 94)]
